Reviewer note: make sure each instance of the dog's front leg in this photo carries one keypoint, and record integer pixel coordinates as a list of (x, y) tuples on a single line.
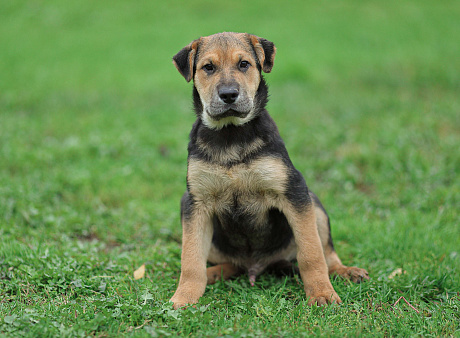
[(196, 242), (312, 264)]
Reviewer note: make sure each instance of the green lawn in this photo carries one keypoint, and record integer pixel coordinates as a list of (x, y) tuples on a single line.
[(94, 123)]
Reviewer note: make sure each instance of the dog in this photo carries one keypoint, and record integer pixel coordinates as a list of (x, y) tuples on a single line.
[(246, 207)]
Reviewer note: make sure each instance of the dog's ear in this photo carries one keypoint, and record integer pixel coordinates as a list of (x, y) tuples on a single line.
[(185, 59), (265, 51)]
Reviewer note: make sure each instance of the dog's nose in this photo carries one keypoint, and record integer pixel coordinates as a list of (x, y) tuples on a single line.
[(228, 94)]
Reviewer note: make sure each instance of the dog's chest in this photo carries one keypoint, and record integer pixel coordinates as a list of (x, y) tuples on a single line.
[(253, 185)]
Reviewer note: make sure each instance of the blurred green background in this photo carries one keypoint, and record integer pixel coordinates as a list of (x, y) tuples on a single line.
[(365, 94), (94, 123)]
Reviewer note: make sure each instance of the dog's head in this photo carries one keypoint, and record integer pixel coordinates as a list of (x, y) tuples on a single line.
[(226, 71)]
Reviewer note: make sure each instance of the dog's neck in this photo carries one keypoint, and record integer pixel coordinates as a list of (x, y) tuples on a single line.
[(236, 144)]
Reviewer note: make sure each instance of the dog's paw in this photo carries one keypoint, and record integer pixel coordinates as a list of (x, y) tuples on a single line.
[(177, 305), (324, 298), (357, 275), (352, 273), (182, 306), (181, 302)]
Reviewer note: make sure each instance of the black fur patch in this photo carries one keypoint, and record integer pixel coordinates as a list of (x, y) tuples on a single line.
[(297, 193), (236, 236), (269, 49), (186, 205), (182, 62), (197, 105)]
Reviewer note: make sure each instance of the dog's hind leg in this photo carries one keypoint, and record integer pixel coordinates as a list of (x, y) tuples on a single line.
[(221, 272), (334, 264)]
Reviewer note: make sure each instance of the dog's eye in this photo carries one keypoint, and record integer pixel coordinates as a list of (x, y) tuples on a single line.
[(209, 68), (244, 65)]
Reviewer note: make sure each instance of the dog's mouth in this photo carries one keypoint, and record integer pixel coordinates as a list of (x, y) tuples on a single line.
[(228, 113)]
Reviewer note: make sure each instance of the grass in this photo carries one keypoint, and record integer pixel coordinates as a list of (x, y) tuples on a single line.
[(94, 121)]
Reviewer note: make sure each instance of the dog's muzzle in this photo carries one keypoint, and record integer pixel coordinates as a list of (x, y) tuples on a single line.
[(227, 113), (228, 101)]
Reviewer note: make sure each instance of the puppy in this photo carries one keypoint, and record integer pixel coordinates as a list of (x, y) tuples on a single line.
[(246, 207)]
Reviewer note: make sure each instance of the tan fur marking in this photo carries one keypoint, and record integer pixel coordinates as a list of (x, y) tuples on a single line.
[(196, 242), (258, 185)]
